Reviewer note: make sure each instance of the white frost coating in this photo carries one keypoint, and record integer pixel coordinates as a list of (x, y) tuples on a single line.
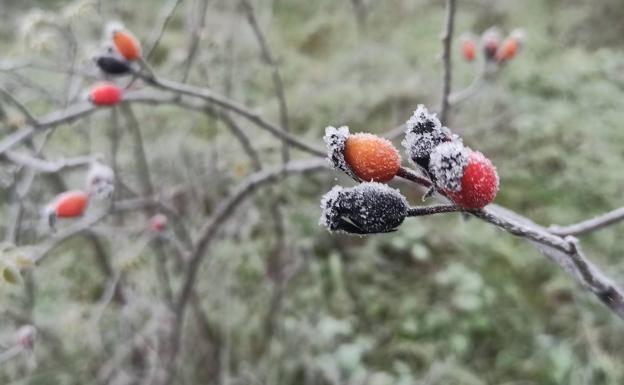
[(447, 164), (335, 139), (329, 214), (363, 209), (100, 181), (423, 133)]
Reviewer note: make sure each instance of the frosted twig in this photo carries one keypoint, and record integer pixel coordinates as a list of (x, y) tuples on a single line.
[(590, 225)]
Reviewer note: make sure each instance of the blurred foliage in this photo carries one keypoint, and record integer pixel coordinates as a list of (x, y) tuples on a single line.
[(442, 301)]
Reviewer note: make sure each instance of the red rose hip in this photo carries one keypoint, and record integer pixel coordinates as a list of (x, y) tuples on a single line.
[(105, 94)]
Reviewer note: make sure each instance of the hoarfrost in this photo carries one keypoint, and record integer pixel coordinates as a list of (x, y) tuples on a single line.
[(447, 165), (335, 139), (363, 209), (423, 133)]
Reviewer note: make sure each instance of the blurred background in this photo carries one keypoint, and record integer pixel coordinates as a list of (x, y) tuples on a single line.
[(443, 300)]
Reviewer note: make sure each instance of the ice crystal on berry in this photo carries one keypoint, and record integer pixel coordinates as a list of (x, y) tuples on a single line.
[(447, 165), (335, 139), (423, 133)]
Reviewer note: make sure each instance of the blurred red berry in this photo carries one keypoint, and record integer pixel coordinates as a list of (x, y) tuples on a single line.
[(468, 47), (158, 222), (70, 204), (105, 94)]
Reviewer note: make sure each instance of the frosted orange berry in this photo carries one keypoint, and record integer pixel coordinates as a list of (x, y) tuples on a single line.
[(371, 158), (127, 45), (508, 49)]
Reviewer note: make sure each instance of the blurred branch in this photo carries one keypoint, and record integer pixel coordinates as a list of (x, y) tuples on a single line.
[(194, 39), (276, 75), (165, 16), (208, 232), (211, 97), (30, 119), (447, 40), (48, 166)]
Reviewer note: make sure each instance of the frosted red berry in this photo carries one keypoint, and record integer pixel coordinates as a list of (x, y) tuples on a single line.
[(158, 223), (105, 94), (479, 183), (70, 204)]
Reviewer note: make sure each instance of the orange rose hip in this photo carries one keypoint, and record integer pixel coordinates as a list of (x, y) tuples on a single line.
[(371, 158)]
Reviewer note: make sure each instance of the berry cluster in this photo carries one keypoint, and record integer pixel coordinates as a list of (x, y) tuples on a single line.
[(121, 51), (494, 47), (467, 178), (100, 184)]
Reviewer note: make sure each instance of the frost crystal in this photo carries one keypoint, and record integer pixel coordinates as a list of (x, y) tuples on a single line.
[(363, 209), (423, 133), (335, 139), (100, 181), (447, 164)]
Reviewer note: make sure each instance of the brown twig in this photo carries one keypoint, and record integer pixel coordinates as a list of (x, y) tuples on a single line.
[(447, 40)]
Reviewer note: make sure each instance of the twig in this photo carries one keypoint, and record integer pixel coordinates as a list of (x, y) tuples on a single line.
[(276, 75), (430, 210), (590, 225), (209, 96), (447, 40), (165, 16), (209, 231), (30, 119), (194, 40), (48, 166)]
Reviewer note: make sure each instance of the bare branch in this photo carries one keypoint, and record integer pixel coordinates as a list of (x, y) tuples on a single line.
[(165, 16), (590, 225), (276, 75), (447, 40)]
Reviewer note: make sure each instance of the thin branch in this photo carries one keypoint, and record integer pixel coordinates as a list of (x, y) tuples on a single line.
[(165, 17), (447, 40), (420, 211), (209, 231), (48, 166), (30, 119), (276, 75), (590, 225), (209, 96)]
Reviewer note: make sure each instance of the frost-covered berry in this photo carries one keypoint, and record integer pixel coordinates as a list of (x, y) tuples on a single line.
[(105, 94), (510, 46), (363, 156), (112, 65), (468, 46), (467, 177), (490, 41), (423, 133), (158, 222), (100, 181), (70, 204), (447, 165), (363, 209), (125, 43)]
